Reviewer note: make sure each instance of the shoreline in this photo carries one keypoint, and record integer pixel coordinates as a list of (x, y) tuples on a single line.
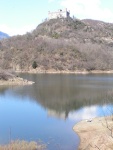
[(36, 71), (95, 134), (15, 81)]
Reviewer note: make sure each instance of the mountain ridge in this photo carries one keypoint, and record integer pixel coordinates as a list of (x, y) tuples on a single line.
[(3, 35)]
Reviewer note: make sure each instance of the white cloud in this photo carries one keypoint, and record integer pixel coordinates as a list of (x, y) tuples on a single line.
[(91, 112), (85, 113), (88, 9), (15, 31)]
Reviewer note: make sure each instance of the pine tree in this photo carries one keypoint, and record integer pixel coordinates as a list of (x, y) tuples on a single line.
[(34, 65)]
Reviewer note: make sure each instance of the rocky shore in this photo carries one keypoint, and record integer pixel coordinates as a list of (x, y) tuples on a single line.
[(7, 78), (95, 134), (15, 81)]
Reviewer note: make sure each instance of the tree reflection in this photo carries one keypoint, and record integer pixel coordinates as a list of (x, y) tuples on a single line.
[(60, 94)]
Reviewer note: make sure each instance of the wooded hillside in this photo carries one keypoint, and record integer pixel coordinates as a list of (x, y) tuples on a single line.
[(61, 44)]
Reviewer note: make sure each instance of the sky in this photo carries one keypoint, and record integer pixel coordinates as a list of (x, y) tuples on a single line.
[(21, 16)]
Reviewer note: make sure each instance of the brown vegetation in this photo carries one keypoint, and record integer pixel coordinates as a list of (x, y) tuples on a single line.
[(23, 145), (61, 44), (5, 75)]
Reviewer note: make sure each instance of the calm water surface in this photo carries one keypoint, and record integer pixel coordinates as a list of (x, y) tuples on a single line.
[(48, 109)]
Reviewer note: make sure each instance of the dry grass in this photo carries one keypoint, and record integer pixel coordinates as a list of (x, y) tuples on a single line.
[(23, 145)]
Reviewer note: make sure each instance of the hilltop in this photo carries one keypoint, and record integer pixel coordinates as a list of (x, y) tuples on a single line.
[(61, 45)]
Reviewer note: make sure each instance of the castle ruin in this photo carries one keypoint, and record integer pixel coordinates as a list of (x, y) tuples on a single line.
[(58, 14)]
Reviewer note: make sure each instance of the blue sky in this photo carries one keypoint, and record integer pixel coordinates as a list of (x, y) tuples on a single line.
[(20, 16)]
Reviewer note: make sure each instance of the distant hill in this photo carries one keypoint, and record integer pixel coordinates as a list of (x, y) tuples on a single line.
[(3, 35), (61, 45)]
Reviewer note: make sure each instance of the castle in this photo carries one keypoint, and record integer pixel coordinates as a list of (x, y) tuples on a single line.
[(58, 14)]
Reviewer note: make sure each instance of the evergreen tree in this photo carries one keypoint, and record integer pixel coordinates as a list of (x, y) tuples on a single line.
[(34, 65)]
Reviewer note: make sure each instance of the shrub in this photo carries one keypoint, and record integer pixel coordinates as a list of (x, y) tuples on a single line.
[(34, 65)]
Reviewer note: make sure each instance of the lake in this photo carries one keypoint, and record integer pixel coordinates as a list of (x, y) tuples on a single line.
[(48, 109)]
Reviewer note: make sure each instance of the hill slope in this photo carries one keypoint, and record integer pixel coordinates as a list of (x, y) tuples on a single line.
[(61, 45)]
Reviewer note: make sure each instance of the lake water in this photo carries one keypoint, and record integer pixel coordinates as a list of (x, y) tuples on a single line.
[(48, 109)]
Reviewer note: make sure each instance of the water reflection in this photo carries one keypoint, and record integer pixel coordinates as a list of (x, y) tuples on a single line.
[(84, 113), (61, 94), (3, 89), (48, 109)]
